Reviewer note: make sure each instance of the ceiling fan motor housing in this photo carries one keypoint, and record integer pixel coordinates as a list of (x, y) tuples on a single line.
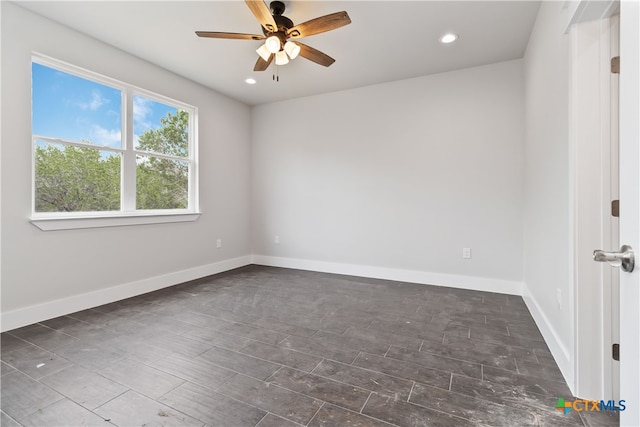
[(283, 23)]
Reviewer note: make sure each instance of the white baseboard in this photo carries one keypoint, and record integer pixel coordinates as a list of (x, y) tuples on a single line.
[(559, 351), (37, 313), (411, 276)]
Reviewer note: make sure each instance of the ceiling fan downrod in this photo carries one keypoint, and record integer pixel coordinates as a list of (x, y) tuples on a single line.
[(277, 7)]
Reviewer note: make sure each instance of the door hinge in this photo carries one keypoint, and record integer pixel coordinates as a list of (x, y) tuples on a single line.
[(615, 208), (615, 65), (615, 352)]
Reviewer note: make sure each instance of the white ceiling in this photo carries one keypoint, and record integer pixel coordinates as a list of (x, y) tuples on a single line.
[(386, 41)]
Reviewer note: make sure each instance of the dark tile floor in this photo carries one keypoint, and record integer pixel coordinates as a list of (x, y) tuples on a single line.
[(263, 347)]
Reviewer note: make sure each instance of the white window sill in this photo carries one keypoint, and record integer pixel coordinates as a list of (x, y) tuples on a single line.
[(52, 223)]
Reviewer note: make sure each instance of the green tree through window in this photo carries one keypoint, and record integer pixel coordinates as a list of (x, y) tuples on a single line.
[(76, 179), (79, 179), (164, 183)]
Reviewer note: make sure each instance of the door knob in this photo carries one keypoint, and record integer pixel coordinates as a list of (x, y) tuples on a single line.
[(623, 258)]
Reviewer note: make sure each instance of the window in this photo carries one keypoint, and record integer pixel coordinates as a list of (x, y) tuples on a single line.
[(104, 149)]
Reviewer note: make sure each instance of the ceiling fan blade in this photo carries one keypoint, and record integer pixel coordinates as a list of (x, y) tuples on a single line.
[(261, 64), (262, 14), (237, 36), (315, 55), (320, 25)]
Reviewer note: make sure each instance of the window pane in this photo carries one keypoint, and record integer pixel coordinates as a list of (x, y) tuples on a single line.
[(162, 183), (160, 128), (69, 107), (76, 179)]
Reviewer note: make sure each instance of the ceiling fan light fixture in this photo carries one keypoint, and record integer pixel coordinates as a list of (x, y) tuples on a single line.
[(281, 58), (273, 44), (264, 52), (292, 49)]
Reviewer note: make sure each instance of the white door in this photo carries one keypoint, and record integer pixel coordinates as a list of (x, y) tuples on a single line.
[(630, 209)]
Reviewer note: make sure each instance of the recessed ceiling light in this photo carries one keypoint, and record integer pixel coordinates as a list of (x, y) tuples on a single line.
[(250, 81), (448, 38)]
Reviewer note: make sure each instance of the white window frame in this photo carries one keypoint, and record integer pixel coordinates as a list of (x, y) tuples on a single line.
[(128, 214)]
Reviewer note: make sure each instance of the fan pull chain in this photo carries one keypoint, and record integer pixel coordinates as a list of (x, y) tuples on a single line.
[(276, 74)]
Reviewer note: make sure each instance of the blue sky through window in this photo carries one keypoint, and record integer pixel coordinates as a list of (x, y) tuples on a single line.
[(147, 114), (73, 108)]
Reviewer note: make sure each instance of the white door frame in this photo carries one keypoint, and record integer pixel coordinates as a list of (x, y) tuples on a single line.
[(591, 171), (590, 367)]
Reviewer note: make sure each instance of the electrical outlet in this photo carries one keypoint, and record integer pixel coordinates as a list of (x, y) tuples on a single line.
[(559, 294), (219, 243), (466, 253), (277, 240)]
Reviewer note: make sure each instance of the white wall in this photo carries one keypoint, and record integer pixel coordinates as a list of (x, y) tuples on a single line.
[(395, 179), (548, 222), (49, 272)]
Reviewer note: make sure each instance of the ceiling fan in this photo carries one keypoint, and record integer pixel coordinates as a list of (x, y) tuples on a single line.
[(278, 29)]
